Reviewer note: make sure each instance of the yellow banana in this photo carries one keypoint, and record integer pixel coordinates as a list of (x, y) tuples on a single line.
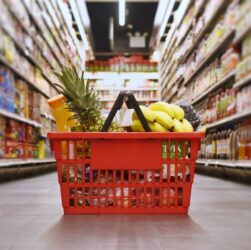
[(177, 126), (156, 127), (164, 107), (137, 126), (164, 119), (148, 114), (187, 127), (178, 112)]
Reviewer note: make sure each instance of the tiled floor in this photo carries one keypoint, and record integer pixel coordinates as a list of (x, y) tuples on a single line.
[(31, 218)]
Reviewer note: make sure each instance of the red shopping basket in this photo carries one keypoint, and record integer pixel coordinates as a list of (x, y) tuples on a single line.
[(127, 172)]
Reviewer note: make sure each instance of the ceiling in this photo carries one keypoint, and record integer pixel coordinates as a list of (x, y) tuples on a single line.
[(133, 38)]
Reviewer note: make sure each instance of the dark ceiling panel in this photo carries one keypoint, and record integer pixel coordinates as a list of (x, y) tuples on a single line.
[(140, 15)]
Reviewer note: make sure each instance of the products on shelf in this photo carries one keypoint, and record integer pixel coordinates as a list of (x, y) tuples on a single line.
[(21, 141), (122, 64), (7, 90), (228, 144), (243, 100), (243, 16), (225, 102), (243, 68), (17, 97), (2, 136), (219, 106), (229, 60), (145, 90), (246, 47)]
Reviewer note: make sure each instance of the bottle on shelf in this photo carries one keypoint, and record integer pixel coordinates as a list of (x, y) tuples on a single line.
[(214, 147)]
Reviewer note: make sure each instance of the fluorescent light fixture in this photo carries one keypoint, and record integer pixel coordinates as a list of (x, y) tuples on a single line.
[(122, 4), (111, 33)]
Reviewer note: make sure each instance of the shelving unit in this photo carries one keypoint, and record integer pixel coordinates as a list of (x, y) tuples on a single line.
[(230, 119), (27, 32), (19, 162), (34, 20), (43, 48), (187, 62), (224, 163), (243, 82), (19, 118), (210, 55), (21, 76), (217, 85), (242, 35), (207, 27), (124, 81)]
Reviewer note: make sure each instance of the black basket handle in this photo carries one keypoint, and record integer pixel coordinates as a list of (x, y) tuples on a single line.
[(129, 99)]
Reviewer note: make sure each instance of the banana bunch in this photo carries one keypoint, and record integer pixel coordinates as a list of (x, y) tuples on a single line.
[(162, 117)]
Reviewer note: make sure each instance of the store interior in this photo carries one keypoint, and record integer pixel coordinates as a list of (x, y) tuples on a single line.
[(192, 54)]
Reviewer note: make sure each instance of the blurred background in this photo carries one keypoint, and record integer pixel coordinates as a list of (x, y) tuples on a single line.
[(193, 52)]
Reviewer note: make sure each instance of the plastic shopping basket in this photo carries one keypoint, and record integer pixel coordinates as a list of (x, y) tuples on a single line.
[(125, 172)]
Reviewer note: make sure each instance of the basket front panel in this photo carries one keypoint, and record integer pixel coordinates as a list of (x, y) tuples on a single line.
[(119, 154), (92, 182)]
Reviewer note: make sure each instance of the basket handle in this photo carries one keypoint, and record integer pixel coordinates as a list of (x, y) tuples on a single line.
[(129, 99)]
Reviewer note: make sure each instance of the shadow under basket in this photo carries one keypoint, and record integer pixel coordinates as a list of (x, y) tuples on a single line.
[(142, 172)]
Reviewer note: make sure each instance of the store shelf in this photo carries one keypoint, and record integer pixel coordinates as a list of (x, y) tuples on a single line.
[(217, 85), (169, 94), (44, 9), (210, 55), (126, 89), (122, 75), (48, 116), (19, 118), (185, 8), (21, 76), (200, 8), (40, 30), (240, 36), (230, 119), (196, 15), (20, 47), (61, 7), (189, 27), (224, 163), (28, 32), (19, 162), (27, 55), (173, 88), (59, 18), (208, 26), (243, 82)]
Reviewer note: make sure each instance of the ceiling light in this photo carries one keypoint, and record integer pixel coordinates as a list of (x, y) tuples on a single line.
[(122, 12)]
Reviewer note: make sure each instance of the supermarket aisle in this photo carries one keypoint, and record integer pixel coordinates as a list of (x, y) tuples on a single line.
[(31, 218)]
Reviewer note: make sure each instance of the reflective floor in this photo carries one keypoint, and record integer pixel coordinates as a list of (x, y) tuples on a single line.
[(31, 217)]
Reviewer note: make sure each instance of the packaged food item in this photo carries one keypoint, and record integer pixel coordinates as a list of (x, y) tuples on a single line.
[(2, 136), (229, 61), (61, 114)]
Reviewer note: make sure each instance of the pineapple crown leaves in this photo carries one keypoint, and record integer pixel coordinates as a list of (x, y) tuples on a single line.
[(81, 100)]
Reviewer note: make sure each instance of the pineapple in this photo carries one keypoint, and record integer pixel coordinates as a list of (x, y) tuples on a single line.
[(81, 100)]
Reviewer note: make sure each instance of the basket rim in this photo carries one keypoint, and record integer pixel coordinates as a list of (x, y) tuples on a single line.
[(125, 135)]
